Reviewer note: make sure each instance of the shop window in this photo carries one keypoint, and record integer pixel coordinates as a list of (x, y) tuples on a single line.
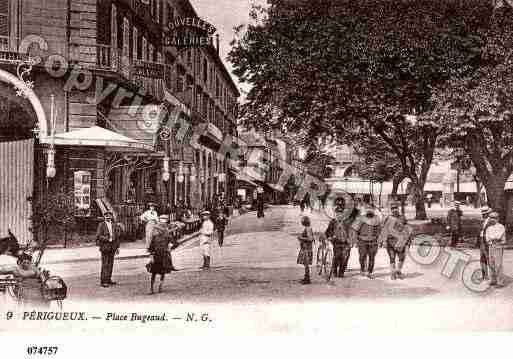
[(82, 188)]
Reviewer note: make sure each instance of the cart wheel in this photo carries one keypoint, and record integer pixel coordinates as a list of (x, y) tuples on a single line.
[(328, 265)]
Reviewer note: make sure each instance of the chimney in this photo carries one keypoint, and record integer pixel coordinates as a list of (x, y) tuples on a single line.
[(217, 43)]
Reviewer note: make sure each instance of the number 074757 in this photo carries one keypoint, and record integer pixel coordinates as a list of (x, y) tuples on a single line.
[(42, 350)]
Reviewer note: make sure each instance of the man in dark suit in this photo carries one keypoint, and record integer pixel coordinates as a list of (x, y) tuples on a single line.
[(107, 237)]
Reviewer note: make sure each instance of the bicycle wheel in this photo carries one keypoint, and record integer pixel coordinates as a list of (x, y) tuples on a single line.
[(328, 265)]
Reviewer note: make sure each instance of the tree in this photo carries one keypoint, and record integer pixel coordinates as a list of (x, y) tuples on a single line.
[(478, 108), (56, 209), (354, 69)]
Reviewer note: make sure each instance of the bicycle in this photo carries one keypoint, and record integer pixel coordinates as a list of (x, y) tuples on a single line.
[(325, 260)]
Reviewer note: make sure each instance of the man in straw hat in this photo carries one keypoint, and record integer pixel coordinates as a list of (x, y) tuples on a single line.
[(338, 233), (454, 223), (366, 228), (108, 237), (206, 233), (495, 237), (483, 246), (396, 234)]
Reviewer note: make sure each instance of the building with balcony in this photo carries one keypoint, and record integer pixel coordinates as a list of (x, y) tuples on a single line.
[(87, 118)]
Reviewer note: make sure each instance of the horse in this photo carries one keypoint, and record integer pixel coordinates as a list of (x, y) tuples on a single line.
[(9, 245)]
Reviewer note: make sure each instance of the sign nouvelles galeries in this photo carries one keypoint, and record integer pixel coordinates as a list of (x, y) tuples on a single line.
[(189, 32)]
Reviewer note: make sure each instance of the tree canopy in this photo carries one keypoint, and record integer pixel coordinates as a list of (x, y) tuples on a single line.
[(354, 70)]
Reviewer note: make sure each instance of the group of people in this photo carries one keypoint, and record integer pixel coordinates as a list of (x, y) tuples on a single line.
[(365, 229), (160, 241)]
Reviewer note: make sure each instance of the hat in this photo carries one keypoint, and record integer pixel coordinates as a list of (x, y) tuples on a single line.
[(494, 215), (457, 203), (164, 216), (486, 210), (152, 204), (205, 213), (394, 205), (108, 213)]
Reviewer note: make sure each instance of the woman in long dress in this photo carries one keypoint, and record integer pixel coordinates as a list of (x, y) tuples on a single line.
[(305, 255), (161, 237)]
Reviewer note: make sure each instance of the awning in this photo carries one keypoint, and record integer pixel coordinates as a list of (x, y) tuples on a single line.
[(211, 131), (357, 186), (433, 187), (98, 136), (276, 187), (245, 179)]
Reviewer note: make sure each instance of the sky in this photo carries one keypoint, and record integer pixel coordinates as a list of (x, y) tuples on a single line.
[(225, 15)]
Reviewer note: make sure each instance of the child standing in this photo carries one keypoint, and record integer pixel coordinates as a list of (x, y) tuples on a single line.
[(306, 252)]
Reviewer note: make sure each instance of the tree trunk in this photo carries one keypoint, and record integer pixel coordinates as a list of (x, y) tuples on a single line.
[(418, 198), (496, 197), (478, 197)]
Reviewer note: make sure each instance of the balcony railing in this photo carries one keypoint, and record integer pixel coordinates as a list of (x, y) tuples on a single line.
[(6, 53)]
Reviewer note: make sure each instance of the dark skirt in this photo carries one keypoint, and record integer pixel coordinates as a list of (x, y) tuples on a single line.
[(162, 263), (305, 256)]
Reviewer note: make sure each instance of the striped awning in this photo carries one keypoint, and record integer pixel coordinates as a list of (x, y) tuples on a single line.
[(98, 136)]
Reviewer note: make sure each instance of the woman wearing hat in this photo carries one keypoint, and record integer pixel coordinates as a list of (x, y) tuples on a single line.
[(206, 233), (150, 217), (161, 263), (305, 255)]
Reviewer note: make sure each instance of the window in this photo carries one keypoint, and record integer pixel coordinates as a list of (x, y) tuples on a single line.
[(205, 71), (126, 37), (144, 51), (151, 49), (4, 24), (158, 11), (135, 49), (82, 190), (114, 28)]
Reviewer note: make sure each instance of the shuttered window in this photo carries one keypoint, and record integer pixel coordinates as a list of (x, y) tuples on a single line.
[(135, 46), (4, 24)]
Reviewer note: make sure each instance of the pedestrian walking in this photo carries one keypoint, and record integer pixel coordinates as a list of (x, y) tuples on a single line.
[(454, 223), (483, 245), (150, 217), (305, 256), (220, 225), (161, 263), (108, 237), (366, 228), (396, 235), (206, 233), (495, 236), (338, 233), (260, 205)]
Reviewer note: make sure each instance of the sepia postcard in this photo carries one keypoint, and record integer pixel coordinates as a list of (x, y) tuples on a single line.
[(217, 168)]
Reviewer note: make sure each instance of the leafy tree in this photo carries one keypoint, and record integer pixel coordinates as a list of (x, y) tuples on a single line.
[(354, 69), (55, 209), (477, 110)]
